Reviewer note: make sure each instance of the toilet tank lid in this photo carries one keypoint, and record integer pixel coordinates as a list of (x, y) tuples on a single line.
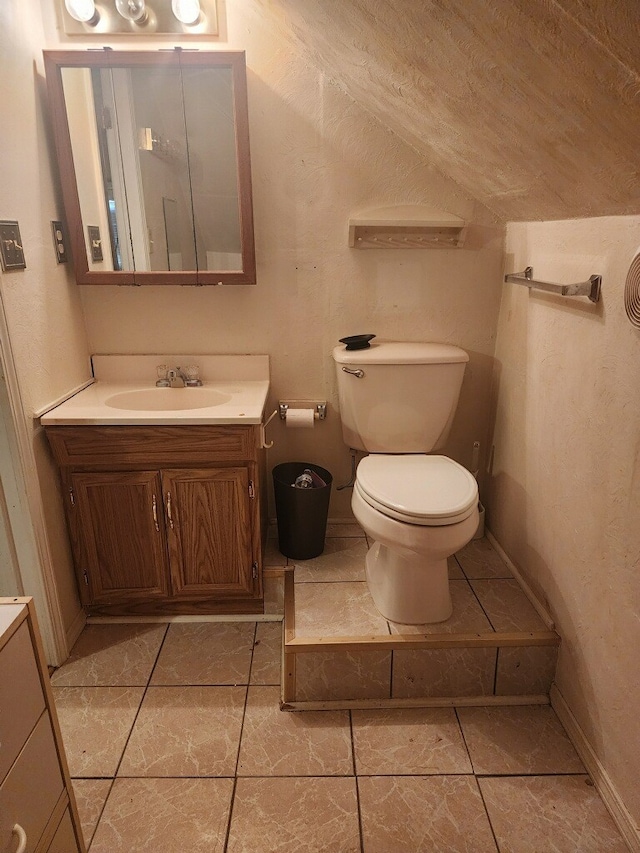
[(401, 352)]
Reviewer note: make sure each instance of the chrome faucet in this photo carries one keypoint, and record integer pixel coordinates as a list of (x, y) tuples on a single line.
[(177, 377)]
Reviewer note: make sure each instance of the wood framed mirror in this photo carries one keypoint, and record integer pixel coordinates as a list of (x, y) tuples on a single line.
[(153, 149)]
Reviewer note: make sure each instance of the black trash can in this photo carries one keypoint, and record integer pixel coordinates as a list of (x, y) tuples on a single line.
[(302, 513)]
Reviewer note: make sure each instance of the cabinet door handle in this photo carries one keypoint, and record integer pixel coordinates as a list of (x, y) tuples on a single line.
[(169, 516), (22, 838), (155, 513)]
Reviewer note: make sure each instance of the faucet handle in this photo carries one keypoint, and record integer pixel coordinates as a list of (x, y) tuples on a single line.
[(161, 372), (192, 372)]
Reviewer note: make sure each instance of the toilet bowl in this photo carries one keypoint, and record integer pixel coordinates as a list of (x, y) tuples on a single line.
[(397, 403), (418, 510)]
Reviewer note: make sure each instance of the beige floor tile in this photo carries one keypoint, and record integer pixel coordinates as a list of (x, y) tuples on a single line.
[(295, 816), (443, 672), (412, 741), (342, 560), (554, 814), (186, 731), (343, 529), (480, 560), (525, 739), (423, 814), (165, 816), (205, 653), (507, 606), (455, 572), (91, 795), (272, 557), (95, 724), (274, 596), (285, 743), (526, 670), (324, 676), (337, 609), (467, 616), (267, 654), (107, 655)]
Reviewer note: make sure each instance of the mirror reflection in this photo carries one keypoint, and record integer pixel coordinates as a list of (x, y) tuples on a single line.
[(158, 147)]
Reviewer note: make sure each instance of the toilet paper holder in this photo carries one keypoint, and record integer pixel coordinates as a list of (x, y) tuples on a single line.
[(320, 409)]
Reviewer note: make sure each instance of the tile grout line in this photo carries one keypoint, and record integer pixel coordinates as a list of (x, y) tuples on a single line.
[(115, 775), (144, 693), (464, 740), (475, 778), (232, 803), (246, 700), (486, 811), (234, 787), (355, 779)]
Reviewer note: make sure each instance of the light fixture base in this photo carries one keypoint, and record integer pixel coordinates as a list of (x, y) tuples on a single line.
[(162, 21)]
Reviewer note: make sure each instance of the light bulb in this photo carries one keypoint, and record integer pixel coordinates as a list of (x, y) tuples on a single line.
[(186, 11), (133, 10), (82, 10)]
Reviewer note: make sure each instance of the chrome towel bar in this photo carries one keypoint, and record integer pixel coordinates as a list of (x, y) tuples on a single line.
[(590, 288)]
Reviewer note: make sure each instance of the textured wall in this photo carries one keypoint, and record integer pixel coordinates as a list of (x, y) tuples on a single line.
[(565, 489), (42, 304), (530, 105), (316, 157)]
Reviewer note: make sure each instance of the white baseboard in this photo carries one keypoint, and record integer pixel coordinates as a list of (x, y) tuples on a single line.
[(74, 631), (605, 787), (542, 611)]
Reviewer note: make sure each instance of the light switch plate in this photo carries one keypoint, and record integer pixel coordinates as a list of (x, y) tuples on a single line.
[(95, 242), (59, 241), (11, 249)]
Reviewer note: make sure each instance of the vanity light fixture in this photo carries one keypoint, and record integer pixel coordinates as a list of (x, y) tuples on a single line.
[(83, 11), (186, 11), (133, 10), (138, 17)]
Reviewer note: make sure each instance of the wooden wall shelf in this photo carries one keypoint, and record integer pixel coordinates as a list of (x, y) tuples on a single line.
[(406, 226)]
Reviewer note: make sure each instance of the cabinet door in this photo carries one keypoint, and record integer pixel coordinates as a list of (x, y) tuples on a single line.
[(209, 532), (119, 536)]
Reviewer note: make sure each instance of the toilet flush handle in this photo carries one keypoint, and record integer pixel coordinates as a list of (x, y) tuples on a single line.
[(357, 373)]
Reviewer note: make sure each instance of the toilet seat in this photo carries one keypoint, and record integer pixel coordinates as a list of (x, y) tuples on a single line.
[(417, 489)]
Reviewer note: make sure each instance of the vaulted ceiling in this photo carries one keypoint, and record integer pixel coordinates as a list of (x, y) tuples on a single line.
[(532, 106)]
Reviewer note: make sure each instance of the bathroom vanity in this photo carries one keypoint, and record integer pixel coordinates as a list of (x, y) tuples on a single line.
[(164, 505)]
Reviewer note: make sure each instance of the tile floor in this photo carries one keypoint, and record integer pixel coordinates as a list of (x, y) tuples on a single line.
[(175, 742)]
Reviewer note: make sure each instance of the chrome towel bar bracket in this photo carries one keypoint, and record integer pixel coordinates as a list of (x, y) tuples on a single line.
[(590, 288)]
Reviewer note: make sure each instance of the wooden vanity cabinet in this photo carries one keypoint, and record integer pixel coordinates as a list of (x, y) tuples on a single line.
[(163, 519)]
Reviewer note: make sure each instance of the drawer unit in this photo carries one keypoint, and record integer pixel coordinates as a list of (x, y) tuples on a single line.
[(64, 839), (32, 787), (21, 697), (38, 811)]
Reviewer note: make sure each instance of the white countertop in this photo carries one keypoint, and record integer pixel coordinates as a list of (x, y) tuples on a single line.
[(122, 396)]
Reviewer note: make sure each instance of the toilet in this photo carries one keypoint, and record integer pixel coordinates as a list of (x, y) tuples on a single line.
[(397, 401)]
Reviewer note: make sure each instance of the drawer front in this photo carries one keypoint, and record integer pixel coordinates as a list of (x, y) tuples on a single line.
[(32, 788), (21, 698), (64, 841), (126, 446)]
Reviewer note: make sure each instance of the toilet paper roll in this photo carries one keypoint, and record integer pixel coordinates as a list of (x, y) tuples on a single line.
[(296, 418)]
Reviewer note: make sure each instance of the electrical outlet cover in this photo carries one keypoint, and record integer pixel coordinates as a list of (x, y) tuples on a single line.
[(58, 241)]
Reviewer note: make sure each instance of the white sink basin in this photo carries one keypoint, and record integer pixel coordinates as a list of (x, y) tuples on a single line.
[(167, 399), (124, 393)]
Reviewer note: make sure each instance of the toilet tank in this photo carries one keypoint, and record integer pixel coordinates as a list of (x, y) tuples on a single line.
[(406, 398)]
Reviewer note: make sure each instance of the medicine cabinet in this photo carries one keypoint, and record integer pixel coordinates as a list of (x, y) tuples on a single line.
[(153, 149)]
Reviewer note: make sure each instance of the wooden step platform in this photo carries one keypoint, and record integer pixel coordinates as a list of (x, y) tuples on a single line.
[(339, 652)]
